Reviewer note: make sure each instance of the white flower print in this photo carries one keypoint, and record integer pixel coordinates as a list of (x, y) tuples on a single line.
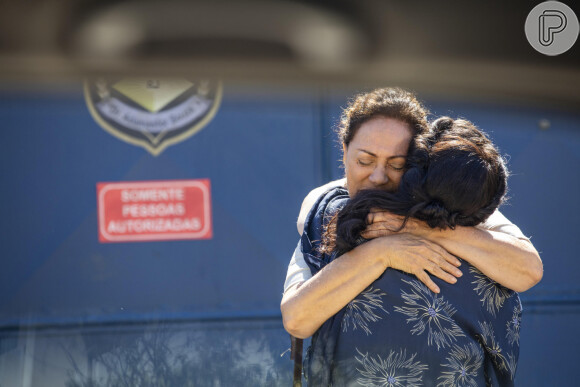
[(427, 310), (489, 343), (395, 370), (464, 364), (363, 310), (493, 293), (513, 326)]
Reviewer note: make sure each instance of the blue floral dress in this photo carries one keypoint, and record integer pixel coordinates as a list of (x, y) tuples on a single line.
[(399, 333)]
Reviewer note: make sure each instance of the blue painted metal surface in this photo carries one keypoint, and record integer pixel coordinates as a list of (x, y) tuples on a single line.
[(61, 288)]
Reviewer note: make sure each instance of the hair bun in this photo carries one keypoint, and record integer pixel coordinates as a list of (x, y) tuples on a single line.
[(436, 215)]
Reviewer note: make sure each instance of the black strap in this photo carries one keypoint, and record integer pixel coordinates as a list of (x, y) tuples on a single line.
[(296, 355)]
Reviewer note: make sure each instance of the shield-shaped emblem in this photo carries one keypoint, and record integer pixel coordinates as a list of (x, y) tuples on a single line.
[(152, 112)]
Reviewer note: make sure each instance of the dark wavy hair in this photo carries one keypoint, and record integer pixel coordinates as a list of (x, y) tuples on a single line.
[(391, 102), (454, 177)]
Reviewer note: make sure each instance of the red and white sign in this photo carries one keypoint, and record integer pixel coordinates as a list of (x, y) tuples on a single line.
[(154, 210)]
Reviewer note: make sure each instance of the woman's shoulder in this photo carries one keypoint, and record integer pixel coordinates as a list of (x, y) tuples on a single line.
[(326, 203), (312, 198), (498, 222)]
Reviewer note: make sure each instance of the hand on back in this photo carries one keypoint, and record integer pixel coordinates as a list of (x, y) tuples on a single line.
[(418, 256)]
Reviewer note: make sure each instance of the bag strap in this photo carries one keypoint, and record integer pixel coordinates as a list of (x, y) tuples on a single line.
[(296, 355)]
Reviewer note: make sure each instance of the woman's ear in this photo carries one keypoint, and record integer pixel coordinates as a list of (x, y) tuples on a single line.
[(344, 154)]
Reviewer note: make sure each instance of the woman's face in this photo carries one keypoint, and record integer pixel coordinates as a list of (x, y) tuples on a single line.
[(375, 157)]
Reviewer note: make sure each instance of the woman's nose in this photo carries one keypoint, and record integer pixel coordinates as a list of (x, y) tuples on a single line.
[(379, 176)]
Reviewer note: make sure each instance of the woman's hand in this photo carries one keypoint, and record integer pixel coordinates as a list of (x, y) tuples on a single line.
[(418, 256)]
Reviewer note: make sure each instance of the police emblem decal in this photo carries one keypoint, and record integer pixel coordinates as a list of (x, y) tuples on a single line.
[(152, 112)]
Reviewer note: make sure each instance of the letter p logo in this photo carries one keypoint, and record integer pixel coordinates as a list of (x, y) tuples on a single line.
[(551, 22), (552, 28)]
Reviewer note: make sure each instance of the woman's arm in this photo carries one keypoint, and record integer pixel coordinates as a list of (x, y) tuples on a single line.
[(508, 260), (512, 262), (307, 305)]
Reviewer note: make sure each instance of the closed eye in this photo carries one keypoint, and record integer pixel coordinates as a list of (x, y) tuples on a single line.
[(397, 163)]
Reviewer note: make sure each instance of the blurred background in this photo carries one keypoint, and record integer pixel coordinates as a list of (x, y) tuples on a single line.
[(269, 79)]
